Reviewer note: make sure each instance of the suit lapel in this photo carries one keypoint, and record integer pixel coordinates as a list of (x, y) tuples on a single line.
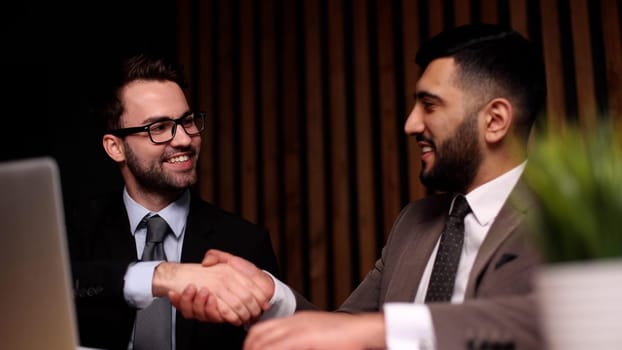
[(509, 218), (414, 264), (198, 229), (423, 231), (196, 243)]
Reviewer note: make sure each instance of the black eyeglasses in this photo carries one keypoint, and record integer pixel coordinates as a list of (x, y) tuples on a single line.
[(162, 131)]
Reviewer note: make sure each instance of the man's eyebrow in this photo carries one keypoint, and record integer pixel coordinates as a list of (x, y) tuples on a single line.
[(157, 119), (427, 95), (153, 119)]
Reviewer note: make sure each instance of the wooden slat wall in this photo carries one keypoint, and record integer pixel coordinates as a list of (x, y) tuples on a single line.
[(306, 102), (248, 118), (290, 96), (271, 210), (411, 39), (365, 196), (556, 110), (316, 132), (584, 66), (610, 15), (387, 113)]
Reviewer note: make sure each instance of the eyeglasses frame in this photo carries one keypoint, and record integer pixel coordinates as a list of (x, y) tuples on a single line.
[(122, 132)]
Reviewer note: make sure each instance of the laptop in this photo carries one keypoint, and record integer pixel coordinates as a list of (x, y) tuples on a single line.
[(36, 300)]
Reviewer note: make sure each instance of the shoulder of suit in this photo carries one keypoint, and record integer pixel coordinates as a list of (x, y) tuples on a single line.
[(216, 215), (431, 204)]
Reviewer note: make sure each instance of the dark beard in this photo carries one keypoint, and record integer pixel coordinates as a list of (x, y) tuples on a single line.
[(153, 179), (457, 160)]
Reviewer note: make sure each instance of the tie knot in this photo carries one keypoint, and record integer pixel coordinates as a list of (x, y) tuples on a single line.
[(157, 229), (461, 207)]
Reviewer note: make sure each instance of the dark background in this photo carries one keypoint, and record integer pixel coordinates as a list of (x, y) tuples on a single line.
[(54, 56)]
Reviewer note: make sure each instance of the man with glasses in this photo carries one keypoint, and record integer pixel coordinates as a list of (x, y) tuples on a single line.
[(119, 269)]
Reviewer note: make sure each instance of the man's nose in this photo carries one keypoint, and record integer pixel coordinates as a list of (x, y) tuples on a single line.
[(414, 123), (181, 137)]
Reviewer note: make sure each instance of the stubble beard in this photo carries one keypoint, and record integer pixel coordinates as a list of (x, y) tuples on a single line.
[(154, 179)]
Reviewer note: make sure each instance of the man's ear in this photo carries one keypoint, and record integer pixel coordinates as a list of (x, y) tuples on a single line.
[(498, 117), (114, 147)]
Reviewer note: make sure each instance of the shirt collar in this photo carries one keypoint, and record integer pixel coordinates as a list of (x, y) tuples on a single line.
[(486, 200), (175, 213)]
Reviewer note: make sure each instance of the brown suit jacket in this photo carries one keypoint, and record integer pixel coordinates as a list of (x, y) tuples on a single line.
[(499, 304)]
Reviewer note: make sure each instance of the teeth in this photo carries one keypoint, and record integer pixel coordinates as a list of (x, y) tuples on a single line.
[(426, 149), (178, 159)]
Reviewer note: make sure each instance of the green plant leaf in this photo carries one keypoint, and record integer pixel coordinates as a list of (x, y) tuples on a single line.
[(578, 178)]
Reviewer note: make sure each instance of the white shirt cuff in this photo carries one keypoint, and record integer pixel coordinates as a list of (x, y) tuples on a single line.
[(137, 288), (408, 326), (282, 303)]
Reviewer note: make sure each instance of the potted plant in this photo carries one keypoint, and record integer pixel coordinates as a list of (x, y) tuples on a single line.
[(577, 176)]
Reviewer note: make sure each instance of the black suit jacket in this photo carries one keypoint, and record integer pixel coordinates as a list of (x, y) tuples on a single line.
[(102, 246)]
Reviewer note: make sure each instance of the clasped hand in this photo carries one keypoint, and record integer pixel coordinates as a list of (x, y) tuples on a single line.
[(223, 288)]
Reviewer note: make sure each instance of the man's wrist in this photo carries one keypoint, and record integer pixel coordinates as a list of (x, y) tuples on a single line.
[(408, 326), (162, 275), (282, 302), (138, 283)]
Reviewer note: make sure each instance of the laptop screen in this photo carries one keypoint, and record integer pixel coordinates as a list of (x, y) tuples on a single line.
[(36, 301)]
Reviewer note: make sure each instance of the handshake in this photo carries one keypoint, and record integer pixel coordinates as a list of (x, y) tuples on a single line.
[(223, 288), (227, 288)]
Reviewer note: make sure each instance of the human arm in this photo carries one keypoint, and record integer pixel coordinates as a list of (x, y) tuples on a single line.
[(319, 330), (503, 322), (510, 321)]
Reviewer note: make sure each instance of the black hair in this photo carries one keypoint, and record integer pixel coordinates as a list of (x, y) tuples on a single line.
[(108, 106), (494, 61)]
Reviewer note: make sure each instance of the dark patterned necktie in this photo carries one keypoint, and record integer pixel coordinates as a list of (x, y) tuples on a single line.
[(153, 323), (441, 286)]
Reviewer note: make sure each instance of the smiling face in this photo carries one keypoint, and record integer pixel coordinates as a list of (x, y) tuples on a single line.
[(154, 169), (446, 124)]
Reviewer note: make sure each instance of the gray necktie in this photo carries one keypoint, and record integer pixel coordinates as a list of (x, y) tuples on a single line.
[(441, 286), (153, 323)]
